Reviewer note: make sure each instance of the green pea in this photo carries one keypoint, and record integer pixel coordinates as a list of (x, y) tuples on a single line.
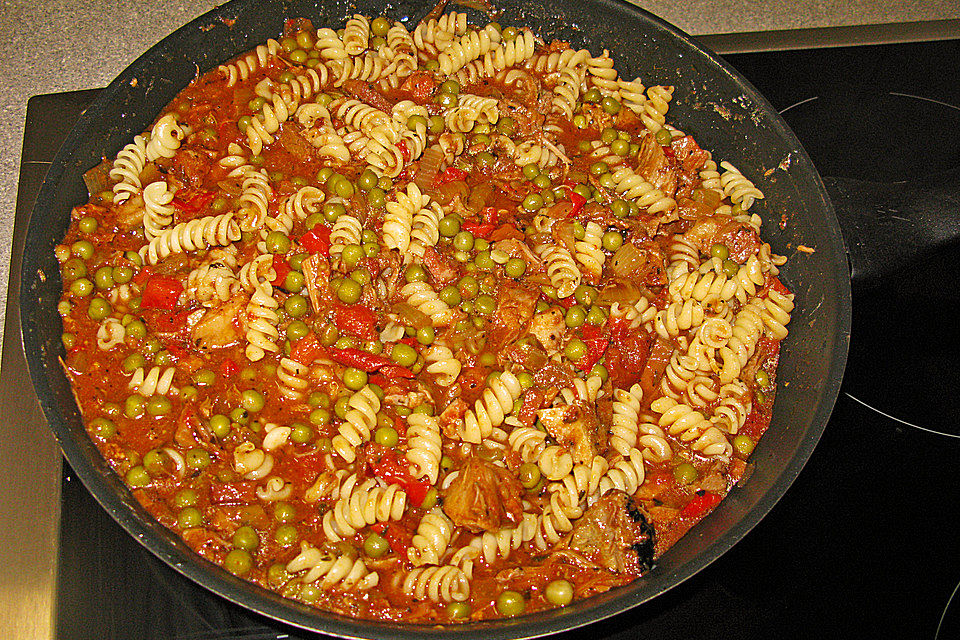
[(484, 261), (468, 286), (663, 137), (319, 417), (376, 546), (612, 240), (437, 124), (238, 562), (188, 393), (252, 400), (204, 377), (186, 498), (580, 121), (744, 444), (526, 380), (300, 433), (599, 168), (349, 291), (87, 224), (82, 249), (585, 295), (763, 378), (256, 104), (485, 305), (189, 518), (426, 335), (354, 379), (277, 242), (346, 342), (730, 268), (620, 208), (507, 126), (294, 282), (296, 306), (298, 56), (277, 575), (593, 95), (137, 477), (606, 181), (600, 371), (341, 406), (81, 287), (609, 135), (431, 499), (286, 535), (575, 316), (158, 406), (449, 226), (482, 139), (511, 603), (323, 175), (458, 610), (219, 425), (332, 211), (243, 122), (133, 406), (239, 415), (296, 330), (103, 428), (284, 512), (575, 350), (533, 202), (74, 268), (620, 147), (416, 122), (197, 459), (122, 274), (304, 39), (610, 105), (596, 316), (386, 436), (447, 100), (403, 354), (529, 474), (99, 309), (246, 538), (583, 191), (371, 249), (449, 295), (559, 593), (288, 44), (510, 33), (367, 180), (685, 473), (515, 267), (720, 251)]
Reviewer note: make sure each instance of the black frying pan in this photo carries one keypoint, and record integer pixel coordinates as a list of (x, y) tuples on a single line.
[(712, 102)]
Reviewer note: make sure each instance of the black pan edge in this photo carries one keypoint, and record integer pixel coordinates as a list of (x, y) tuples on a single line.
[(814, 354)]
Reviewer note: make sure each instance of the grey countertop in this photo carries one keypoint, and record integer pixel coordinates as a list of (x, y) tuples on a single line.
[(49, 46)]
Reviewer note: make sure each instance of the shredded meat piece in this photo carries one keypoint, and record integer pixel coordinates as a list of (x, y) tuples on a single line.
[(216, 329), (441, 270), (452, 416), (576, 427), (515, 306), (615, 533), (483, 497), (548, 328), (691, 158), (654, 166), (193, 165)]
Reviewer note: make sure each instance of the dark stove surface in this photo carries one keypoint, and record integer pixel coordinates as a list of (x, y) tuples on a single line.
[(863, 543)]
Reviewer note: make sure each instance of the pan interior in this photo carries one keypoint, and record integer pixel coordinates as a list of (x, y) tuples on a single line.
[(711, 102)]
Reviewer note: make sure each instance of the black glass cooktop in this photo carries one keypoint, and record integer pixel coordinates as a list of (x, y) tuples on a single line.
[(862, 545)]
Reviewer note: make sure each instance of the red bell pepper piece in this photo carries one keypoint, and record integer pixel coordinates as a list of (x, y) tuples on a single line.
[(142, 276), (306, 349), (392, 371), (700, 505), (228, 368), (597, 343), (317, 240), (161, 292), (567, 302), (479, 229), (449, 175), (578, 202), (394, 471), (281, 267), (356, 320)]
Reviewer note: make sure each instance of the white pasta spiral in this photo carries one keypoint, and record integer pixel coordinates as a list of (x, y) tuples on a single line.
[(199, 233), (157, 210), (589, 251), (655, 110), (337, 572), (442, 364), (439, 584), (425, 442), (398, 220), (361, 508), (358, 423), (422, 296), (431, 539), (738, 188), (165, 138), (127, 168), (624, 429), (248, 65), (562, 270), (156, 381), (491, 408), (262, 318), (291, 378)]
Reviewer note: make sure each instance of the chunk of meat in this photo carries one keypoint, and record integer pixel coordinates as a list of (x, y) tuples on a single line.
[(452, 417), (615, 533), (192, 165), (655, 167), (483, 497), (216, 329), (576, 427), (548, 328), (691, 158), (295, 143), (442, 271), (515, 306)]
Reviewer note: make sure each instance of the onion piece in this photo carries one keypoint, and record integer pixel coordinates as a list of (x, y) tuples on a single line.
[(627, 260), (621, 291), (98, 179), (416, 318), (429, 167)]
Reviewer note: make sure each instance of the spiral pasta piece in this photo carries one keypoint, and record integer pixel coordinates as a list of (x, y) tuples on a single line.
[(776, 313), (493, 545), (430, 542), (738, 188), (625, 425), (424, 232), (256, 272), (110, 334), (346, 230), (529, 442), (677, 317), (329, 44), (491, 408), (164, 139), (357, 424), (625, 474), (424, 442), (156, 381), (291, 378), (564, 275), (655, 110), (262, 319), (339, 572), (437, 34), (439, 584), (633, 187), (126, 169), (158, 212), (398, 220), (422, 296), (212, 284), (246, 66), (443, 364), (252, 462), (356, 35), (199, 233), (589, 251), (555, 462), (471, 46), (602, 75), (747, 330), (631, 94), (361, 508), (254, 200)]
